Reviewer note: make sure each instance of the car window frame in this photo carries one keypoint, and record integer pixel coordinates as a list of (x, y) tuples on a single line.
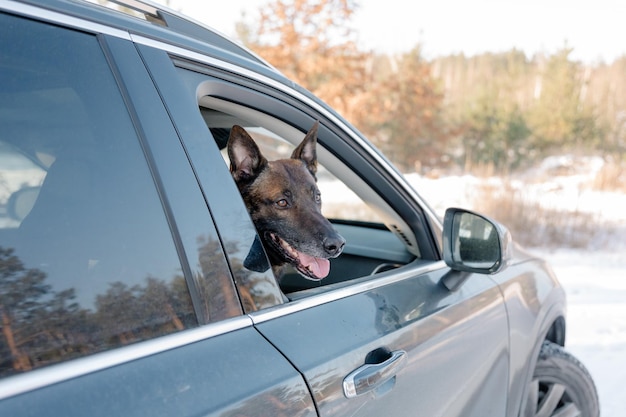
[(257, 289), (238, 90), (282, 106), (182, 200)]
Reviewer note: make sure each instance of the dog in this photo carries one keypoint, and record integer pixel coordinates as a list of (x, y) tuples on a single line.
[(285, 205)]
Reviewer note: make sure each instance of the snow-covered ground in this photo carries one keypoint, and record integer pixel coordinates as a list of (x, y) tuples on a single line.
[(595, 283)]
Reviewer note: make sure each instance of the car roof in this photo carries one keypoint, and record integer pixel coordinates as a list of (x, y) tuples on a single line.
[(159, 23)]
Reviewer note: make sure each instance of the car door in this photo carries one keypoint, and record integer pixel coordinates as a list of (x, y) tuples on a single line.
[(115, 294), (392, 341), (401, 344)]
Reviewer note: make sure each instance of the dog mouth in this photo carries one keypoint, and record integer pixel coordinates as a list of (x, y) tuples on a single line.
[(309, 266)]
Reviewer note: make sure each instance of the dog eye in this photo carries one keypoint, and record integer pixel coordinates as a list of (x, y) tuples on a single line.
[(318, 198), (282, 203)]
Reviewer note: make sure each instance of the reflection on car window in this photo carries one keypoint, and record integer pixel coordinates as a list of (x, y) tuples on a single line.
[(87, 261), (20, 180)]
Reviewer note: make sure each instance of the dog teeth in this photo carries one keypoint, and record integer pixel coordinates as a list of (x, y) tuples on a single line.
[(291, 251), (288, 248), (309, 266)]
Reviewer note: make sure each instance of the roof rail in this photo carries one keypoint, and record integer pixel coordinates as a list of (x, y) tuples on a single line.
[(164, 16), (157, 13), (144, 9), (139, 6)]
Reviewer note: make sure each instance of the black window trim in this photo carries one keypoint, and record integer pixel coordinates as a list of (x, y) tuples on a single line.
[(194, 292), (211, 173)]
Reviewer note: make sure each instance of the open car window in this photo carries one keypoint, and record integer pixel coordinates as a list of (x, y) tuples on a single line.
[(375, 243)]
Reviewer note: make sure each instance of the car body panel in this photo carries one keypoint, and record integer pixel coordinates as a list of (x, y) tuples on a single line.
[(225, 375), (464, 331), (535, 303)]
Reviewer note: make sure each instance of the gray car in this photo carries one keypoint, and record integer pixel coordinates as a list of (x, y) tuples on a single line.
[(132, 281)]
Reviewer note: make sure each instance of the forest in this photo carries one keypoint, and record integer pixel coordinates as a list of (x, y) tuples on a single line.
[(494, 113)]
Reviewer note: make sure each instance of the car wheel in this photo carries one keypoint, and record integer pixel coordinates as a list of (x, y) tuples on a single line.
[(561, 386)]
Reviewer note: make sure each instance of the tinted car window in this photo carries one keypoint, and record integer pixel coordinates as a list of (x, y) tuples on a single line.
[(87, 260)]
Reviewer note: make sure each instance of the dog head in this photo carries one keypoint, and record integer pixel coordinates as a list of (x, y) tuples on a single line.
[(285, 204)]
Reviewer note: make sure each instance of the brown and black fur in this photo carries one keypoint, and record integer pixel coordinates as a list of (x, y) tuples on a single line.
[(285, 204)]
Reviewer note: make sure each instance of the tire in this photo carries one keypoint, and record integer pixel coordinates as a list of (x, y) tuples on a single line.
[(561, 386)]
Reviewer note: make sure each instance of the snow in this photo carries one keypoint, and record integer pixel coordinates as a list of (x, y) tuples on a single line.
[(595, 283)]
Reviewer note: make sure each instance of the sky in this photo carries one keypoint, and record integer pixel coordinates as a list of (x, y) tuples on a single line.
[(595, 29)]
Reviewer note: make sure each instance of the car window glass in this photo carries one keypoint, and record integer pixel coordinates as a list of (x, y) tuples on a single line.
[(87, 260)]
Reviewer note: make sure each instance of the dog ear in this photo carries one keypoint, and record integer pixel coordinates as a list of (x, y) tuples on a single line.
[(245, 157), (306, 151)]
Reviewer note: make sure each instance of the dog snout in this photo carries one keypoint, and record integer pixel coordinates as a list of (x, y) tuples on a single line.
[(333, 245)]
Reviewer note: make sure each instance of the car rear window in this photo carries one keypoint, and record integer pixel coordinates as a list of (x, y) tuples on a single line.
[(87, 259)]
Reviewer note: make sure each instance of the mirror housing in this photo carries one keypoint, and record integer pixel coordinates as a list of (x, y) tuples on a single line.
[(475, 243), (21, 202)]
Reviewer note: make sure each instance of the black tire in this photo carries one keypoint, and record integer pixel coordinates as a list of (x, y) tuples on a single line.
[(561, 386)]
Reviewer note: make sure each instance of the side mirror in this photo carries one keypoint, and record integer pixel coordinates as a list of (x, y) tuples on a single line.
[(21, 202), (474, 243)]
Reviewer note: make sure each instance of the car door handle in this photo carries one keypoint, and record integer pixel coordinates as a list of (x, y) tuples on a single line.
[(372, 375)]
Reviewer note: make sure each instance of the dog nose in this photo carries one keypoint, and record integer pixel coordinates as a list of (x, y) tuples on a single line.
[(333, 245)]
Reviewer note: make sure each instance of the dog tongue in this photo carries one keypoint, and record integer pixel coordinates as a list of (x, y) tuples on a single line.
[(319, 267)]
